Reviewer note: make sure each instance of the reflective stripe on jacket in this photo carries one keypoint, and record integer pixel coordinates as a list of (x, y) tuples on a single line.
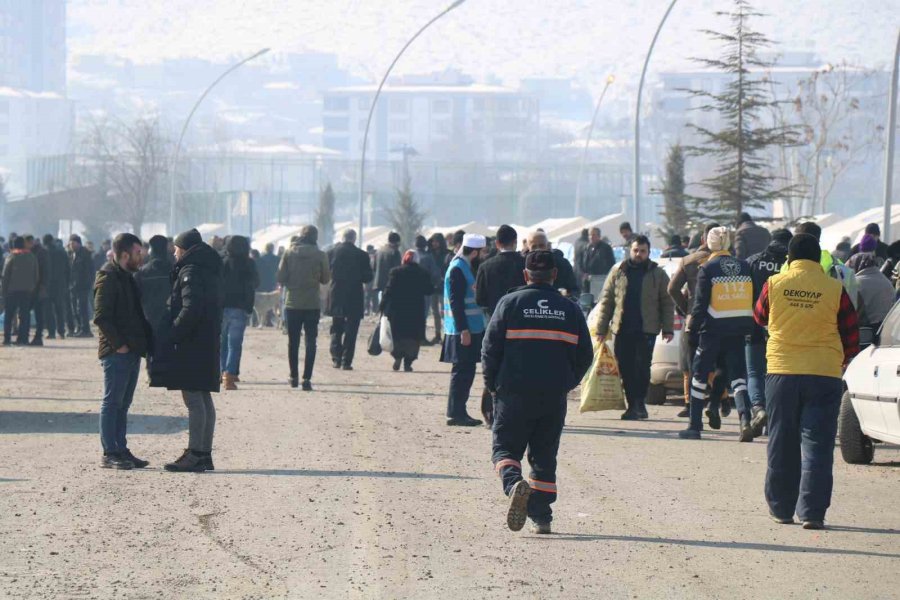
[(474, 313)]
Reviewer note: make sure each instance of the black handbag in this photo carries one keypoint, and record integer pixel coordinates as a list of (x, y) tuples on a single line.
[(375, 340)]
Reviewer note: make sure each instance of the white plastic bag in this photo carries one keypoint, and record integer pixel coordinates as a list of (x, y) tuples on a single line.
[(387, 340)]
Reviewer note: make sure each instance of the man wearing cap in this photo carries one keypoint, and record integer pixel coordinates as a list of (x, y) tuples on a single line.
[(81, 281), (463, 329), (813, 334), (721, 318), (154, 281), (537, 348), (496, 277)]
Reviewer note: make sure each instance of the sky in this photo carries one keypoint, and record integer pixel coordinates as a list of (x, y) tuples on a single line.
[(507, 39)]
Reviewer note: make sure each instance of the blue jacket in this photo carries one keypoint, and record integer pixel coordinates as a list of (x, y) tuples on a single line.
[(723, 301), (537, 344), (453, 304)]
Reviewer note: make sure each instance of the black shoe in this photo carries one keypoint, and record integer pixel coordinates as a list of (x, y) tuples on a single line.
[(685, 412), (517, 512), (37, 342), (746, 431), (51, 337), (206, 461), (306, 386), (715, 421), (629, 415), (813, 524), (689, 434), (189, 462), (21, 342), (407, 368), (725, 409), (336, 364), (137, 462), (396, 366), (347, 367), (294, 382), (466, 421), (759, 420), (642, 414), (117, 461), (781, 521)]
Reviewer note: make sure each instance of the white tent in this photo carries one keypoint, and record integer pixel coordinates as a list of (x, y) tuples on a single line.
[(280, 235), (208, 230), (556, 227), (604, 223), (855, 226)]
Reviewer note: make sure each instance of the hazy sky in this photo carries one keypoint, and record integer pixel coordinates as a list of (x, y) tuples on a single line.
[(586, 39)]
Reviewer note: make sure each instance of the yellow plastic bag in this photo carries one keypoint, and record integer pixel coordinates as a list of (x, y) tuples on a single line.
[(602, 388)]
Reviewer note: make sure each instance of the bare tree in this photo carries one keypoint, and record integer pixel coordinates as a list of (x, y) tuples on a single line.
[(836, 133), (131, 161)]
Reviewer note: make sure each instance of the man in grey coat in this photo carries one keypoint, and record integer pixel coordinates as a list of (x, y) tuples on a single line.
[(750, 238)]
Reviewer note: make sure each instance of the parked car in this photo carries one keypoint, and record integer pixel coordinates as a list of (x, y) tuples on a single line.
[(870, 408), (665, 376)]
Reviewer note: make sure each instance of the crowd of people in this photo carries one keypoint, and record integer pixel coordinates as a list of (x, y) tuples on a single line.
[(769, 316)]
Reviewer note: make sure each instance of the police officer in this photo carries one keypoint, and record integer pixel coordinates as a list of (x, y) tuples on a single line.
[(536, 349)]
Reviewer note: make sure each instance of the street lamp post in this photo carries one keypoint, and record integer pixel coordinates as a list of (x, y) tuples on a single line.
[(587, 144), (362, 162), (889, 150), (184, 130), (637, 122)]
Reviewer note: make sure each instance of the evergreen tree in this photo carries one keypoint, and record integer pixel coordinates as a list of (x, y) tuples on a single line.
[(406, 218), (325, 215), (675, 207), (742, 178)]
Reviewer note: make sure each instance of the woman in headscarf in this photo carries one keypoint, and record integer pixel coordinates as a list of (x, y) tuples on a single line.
[(403, 304)]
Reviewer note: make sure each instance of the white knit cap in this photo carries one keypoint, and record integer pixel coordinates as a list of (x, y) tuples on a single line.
[(472, 240), (717, 239)]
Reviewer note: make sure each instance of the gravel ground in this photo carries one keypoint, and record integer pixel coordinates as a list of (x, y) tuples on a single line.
[(358, 490)]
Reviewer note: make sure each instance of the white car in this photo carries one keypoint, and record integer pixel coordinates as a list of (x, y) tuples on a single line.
[(870, 408), (665, 376)]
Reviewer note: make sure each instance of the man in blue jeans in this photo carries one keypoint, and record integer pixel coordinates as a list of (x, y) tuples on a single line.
[(124, 339), (762, 267), (813, 334)]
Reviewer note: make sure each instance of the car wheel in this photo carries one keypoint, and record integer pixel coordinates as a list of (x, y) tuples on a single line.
[(656, 394), (856, 447)]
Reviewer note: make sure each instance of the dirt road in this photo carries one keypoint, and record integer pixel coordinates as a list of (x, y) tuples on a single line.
[(359, 490)]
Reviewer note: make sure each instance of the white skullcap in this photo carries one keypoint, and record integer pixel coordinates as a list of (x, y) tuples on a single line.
[(472, 240), (717, 239)]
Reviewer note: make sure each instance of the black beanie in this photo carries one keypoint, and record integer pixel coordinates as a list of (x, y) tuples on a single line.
[(188, 239), (804, 246)]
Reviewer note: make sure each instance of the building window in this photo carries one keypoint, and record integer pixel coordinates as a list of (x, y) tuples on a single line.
[(398, 126), (337, 104), (399, 105), (440, 107), (335, 123)]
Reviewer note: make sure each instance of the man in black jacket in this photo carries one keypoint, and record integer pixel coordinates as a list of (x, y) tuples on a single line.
[(565, 279), (388, 258), (597, 261), (81, 282), (350, 271), (155, 281), (762, 266), (881, 249), (124, 339), (537, 348), (39, 300), (57, 288)]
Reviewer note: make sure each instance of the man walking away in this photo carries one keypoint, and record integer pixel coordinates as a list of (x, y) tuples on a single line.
[(831, 265), (351, 270), (762, 266), (41, 293), (190, 363), (566, 278), (154, 280), (57, 288), (750, 238), (302, 270), (124, 335), (881, 249), (463, 329), (537, 348), (635, 306), (580, 246), (598, 260), (721, 319), (387, 259), (681, 289), (268, 269), (240, 281), (495, 278), (82, 282), (675, 249), (20, 280), (425, 259), (813, 334)]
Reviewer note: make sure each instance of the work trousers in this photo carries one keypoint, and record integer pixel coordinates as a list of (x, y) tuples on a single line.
[(462, 375), (534, 424), (634, 351), (802, 428), (713, 349), (344, 331), (201, 420), (305, 321), (17, 303)]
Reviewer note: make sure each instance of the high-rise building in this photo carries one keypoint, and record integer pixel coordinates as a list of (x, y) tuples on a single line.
[(33, 45)]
